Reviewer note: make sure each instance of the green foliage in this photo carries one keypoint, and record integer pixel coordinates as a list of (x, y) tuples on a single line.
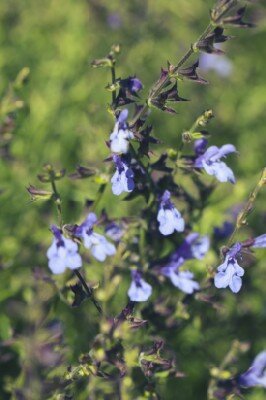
[(56, 112)]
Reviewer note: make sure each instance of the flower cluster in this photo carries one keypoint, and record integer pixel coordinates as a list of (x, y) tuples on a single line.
[(63, 253)]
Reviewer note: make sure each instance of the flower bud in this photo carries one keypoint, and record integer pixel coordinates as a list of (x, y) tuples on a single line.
[(39, 194)]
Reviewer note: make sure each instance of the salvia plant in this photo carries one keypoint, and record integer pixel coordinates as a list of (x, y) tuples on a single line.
[(155, 250)]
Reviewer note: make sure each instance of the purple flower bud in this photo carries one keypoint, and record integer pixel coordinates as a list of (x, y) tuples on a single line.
[(230, 273), (259, 242), (63, 253), (200, 146), (119, 138), (114, 20), (169, 217), (98, 245), (122, 180), (211, 162), (256, 374), (135, 84), (139, 290)]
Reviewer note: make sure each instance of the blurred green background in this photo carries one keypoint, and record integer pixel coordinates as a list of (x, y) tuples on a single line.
[(65, 122)]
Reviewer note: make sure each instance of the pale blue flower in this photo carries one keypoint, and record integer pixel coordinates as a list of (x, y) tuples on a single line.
[(256, 374), (98, 245), (139, 289), (259, 242), (169, 217), (63, 253), (194, 246), (230, 273), (183, 280), (119, 138), (200, 246), (218, 63), (122, 180), (115, 231), (211, 162)]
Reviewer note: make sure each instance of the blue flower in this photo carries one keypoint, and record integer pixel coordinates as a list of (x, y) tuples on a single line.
[(114, 231), (230, 273), (218, 63), (211, 162), (222, 232), (200, 146), (131, 84), (63, 253), (256, 374), (259, 242), (194, 246), (199, 246), (100, 247), (122, 180), (119, 138), (139, 290), (183, 280), (169, 217), (135, 85)]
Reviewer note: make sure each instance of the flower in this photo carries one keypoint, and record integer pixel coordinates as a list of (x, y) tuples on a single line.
[(218, 63), (200, 146), (194, 246), (169, 217), (122, 180), (98, 244), (139, 290), (183, 280), (211, 162), (259, 242), (222, 232), (256, 374), (132, 84), (200, 246), (114, 231), (230, 273), (63, 253), (121, 134)]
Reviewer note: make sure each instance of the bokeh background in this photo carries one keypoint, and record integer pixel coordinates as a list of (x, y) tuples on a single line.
[(64, 121)]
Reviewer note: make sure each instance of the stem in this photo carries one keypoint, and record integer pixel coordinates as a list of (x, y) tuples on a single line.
[(155, 92), (99, 196), (88, 290), (247, 209), (113, 82), (58, 203), (149, 179)]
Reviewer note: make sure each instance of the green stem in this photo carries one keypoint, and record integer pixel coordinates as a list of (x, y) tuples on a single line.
[(113, 82), (58, 203), (247, 209), (155, 92), (149, 179), (99, 196), (88, 290)]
